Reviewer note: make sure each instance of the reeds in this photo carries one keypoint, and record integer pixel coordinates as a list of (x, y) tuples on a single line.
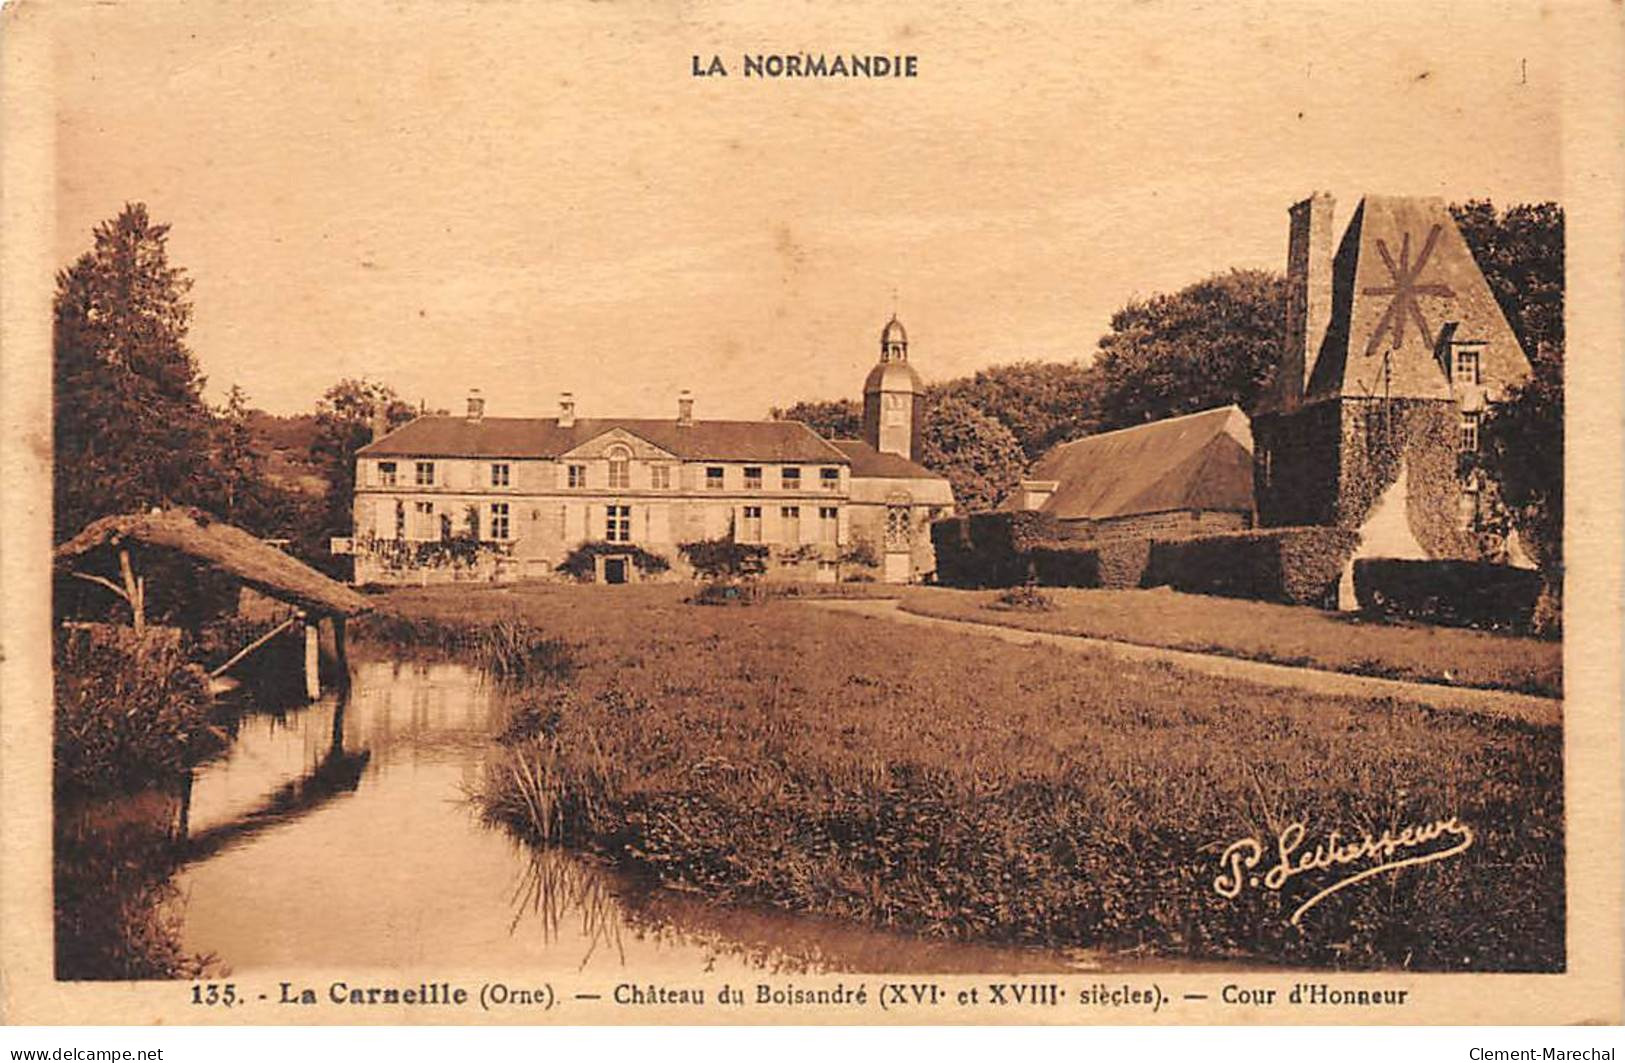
[(507, 646), (959, 787)]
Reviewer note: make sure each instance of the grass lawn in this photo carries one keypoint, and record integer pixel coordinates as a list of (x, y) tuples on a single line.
[(1262, 631), (956, 786)]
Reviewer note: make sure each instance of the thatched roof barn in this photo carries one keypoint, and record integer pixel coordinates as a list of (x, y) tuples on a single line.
[(228, 548)]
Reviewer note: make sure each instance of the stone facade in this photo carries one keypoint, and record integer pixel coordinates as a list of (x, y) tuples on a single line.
[(499, 499), (525, 527)]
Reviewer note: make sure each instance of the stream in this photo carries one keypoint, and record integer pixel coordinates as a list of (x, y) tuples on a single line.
[(340, 836)]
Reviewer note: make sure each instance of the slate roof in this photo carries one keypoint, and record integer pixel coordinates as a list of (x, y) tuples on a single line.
[(867, 461), (1401, 271), (1198, 461), (542, 437), (893, 376)]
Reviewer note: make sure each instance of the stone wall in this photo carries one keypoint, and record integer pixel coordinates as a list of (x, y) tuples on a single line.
[(1174, 524)]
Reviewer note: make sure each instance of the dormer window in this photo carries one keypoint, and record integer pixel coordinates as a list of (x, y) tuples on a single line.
[(1465, 365)]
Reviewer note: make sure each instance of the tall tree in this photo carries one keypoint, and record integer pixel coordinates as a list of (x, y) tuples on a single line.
[(1209, 344), (130, 424), (1520, 251), (1042, 403), (239, 468), (979, 456), (347, 417), (830, 418)]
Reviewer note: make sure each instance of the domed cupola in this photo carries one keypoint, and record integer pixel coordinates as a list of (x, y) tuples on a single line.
[(893, 397), (894, 341)]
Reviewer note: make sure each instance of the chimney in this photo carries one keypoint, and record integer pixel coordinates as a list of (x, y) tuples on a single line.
[(685, 408), (1308, 294), (476, 406), (567, 410)]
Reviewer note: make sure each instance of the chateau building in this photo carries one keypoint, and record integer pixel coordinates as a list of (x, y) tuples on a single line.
[(505, 498), (1395, 348)]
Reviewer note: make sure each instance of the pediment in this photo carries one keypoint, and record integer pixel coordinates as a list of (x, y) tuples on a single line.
[(600, 445)]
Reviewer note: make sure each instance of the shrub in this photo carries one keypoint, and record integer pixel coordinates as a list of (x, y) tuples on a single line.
[(1455, 593), (989, 549), (725, 559), (581, 564), (1298, 566), (862, 553), (127, 715), (950, 538), (727, 592), (1025, 599)]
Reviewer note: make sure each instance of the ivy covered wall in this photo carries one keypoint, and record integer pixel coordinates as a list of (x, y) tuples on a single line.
[(1329, 464)]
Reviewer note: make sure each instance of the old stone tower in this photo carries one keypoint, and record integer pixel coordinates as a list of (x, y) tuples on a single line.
[(1395, 347), (894, 398)]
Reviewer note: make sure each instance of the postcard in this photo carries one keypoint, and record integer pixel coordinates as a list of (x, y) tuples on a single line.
[(745, 513)]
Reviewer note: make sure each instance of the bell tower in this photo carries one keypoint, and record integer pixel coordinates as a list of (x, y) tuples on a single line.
[(894, 397)]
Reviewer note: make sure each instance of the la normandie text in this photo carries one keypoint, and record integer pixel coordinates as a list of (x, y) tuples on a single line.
[(809, 65)]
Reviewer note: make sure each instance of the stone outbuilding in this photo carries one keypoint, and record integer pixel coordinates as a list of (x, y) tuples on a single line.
[(1174, 478)]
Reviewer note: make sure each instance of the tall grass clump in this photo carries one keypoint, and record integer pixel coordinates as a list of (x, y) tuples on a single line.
[(128, 714), (507, 646), (131, 717)]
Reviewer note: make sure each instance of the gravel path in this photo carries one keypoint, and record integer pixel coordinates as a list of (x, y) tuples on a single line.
[(1504, 703)]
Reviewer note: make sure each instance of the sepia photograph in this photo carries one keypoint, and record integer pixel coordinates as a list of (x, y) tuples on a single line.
[(726, 513)]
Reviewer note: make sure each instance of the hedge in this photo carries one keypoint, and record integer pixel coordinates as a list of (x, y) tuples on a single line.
[(1298, 566), (1456, 593), (989, 549), (1116, 564)]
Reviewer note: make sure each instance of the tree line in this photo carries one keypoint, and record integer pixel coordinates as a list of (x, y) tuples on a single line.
[(132, 429)]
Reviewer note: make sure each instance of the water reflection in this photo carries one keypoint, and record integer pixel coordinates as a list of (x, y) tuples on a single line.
[(338, 772), (341, 836)]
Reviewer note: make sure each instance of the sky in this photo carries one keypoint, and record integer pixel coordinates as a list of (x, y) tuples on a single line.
[(536, 198)]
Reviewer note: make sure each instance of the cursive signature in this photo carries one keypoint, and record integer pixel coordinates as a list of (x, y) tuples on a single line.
[(1238, 866)]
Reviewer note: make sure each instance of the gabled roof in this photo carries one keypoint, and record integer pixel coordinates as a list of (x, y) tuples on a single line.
[(193, 533), (867, 461), (542, 437), (1402, 271), (1198, 461)]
